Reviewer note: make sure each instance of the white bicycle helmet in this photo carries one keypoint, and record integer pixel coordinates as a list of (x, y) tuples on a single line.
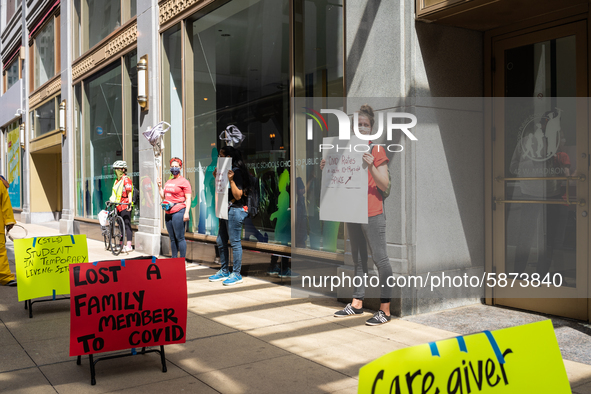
[(120, 164)]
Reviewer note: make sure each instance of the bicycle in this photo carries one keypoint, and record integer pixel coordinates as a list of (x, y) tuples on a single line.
[(114, 231)]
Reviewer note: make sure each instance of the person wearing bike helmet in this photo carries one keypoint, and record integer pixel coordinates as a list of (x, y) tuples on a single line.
[(123, 194)]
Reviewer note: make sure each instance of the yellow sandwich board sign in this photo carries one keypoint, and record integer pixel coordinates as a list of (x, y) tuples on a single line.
[(522, 359), (42, 264)]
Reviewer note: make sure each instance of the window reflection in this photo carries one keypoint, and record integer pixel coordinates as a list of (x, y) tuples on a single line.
[(45, 54), (104, 16), (103, 135), (172, 93), (12, 73), (79, 149), (238, 74), (44, 117), (319, 45)]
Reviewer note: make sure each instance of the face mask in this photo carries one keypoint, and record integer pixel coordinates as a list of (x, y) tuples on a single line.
[(365, 130), (175, 170), (119, 173)]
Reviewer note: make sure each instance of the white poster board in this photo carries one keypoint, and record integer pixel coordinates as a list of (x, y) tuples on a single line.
[(221, 187), (343, 193)]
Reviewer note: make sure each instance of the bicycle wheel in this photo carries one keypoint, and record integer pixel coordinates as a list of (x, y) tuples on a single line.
[(117, 235), (106, 236)]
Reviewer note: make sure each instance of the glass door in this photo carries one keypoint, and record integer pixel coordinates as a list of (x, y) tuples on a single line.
[(540, 171)]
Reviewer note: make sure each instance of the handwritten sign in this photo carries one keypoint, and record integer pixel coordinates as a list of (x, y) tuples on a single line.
[(118, 305), (522, 359), (42, 264), (343, 194), (221, 187)]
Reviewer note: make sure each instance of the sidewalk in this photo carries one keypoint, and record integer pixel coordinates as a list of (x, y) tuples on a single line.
[(248, 338)]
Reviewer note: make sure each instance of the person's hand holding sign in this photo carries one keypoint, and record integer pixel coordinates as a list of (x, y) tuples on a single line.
[(368, 158), (322, 164)]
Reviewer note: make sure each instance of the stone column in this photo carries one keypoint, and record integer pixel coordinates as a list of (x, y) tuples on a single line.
[(147, 239), (390, 54), (68, 156), (26, 170)]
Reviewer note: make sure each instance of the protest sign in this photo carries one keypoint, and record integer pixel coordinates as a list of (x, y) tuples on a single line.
[(122, 304), (522, 359), (343, 193), (42, 264), (221, 187)]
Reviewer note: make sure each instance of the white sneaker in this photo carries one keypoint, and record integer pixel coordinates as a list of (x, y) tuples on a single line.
[(127, 249)]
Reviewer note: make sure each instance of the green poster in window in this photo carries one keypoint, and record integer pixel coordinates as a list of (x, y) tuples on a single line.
[(13, 158)]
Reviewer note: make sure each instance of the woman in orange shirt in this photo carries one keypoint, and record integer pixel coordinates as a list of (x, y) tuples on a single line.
[(373, 232)]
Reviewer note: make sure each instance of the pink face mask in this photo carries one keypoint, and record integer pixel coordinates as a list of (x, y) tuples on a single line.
[(365, 130)]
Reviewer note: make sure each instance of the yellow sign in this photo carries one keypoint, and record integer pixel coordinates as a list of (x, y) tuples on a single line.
[(13, 154), (522, 359), (42, 264)]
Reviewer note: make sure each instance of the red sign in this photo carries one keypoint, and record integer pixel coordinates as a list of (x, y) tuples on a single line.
[(122, 304)]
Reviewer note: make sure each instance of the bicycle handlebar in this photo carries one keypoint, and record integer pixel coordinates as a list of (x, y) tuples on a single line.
[(109, 203)]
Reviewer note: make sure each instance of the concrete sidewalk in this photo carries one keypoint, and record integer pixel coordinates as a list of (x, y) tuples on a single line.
[(248, 338)]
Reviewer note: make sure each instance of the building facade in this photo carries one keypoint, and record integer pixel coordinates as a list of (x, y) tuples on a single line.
[(69, 109)]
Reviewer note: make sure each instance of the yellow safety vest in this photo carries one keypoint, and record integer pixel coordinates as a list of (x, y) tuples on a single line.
[(118, 187)]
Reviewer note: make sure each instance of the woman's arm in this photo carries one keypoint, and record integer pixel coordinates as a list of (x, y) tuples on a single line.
[(236, 192), (186, 215), (160, 189), (379, 174)]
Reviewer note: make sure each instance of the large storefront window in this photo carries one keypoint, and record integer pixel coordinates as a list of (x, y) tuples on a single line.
[(12, 73), (319, 74), (13, 163), (237, 73), (172, 92), (106, 123), (234, 69), (79, 149), (103, 135), (96, 19), (44, 68), (131, 123)]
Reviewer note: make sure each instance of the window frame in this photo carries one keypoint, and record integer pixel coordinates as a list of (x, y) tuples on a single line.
[(295, 34), (14, 9), (18, 59), (55, 17), (80, 43), (34, 137), (79, 159)]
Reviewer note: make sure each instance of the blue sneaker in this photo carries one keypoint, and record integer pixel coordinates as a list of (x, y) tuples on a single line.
[(220, 275), (233, 279)]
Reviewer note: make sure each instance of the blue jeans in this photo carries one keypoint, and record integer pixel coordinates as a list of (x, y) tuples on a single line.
[(231, 229), (176, 232)]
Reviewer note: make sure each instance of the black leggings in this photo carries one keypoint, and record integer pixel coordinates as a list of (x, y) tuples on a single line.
[(126, 216)]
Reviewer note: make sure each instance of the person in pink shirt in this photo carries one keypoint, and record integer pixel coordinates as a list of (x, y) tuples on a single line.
[(177, 191)]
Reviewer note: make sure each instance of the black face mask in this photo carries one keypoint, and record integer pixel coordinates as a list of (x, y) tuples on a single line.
[(175, 170)]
